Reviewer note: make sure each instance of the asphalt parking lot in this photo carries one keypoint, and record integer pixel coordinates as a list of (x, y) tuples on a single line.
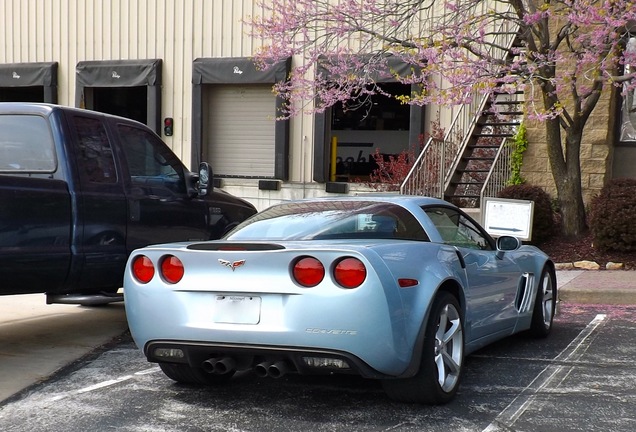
[(579, 379)]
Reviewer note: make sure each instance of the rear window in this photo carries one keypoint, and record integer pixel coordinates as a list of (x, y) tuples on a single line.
[(26, 144), (325, 220)]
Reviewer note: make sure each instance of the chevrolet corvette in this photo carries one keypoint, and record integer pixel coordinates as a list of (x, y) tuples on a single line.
[(395, 288)]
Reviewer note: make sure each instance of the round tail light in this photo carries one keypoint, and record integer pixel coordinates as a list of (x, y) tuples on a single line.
[(142, 269), (308, 272), (171, 269), (350, 273)]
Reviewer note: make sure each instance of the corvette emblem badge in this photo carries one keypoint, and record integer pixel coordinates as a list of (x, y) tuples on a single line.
[(231, 264)]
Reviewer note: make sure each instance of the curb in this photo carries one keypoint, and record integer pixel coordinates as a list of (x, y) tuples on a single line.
[(613, 287)]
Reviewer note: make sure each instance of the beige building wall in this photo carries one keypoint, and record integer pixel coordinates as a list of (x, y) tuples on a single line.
[(176, 31)]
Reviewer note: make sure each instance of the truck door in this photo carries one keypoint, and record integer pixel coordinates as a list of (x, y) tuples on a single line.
[(100, 233), (159, 208), (35, 210)]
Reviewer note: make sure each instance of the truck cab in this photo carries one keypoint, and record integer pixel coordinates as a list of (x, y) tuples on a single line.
[(80, 190)]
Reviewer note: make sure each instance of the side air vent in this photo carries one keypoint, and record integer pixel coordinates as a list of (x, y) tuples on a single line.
[(525, 293)]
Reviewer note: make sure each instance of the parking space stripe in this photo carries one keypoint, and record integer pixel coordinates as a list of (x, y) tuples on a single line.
[(556, 372), (103, 384)]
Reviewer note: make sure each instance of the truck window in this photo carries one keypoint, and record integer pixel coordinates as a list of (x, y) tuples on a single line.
[(26, 145), (95, 154), (150, 162)]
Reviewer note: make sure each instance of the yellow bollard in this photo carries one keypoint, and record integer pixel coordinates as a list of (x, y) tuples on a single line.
[(334, 153)]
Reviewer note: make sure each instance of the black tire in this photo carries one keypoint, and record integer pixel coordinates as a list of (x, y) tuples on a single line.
[(544, 305), (182, 373), (442, 362)]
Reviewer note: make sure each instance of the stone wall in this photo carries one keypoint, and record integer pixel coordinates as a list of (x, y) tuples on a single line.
[(596, 152)]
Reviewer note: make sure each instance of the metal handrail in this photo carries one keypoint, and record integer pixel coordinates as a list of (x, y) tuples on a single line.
[(500, 173)]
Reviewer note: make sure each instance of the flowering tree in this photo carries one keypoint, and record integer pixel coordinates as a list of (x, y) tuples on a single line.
[(569, 51)]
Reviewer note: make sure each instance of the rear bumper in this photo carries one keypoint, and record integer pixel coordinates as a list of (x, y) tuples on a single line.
[(247, 357)]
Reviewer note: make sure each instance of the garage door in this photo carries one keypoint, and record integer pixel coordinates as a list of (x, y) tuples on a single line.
[(238, 130)]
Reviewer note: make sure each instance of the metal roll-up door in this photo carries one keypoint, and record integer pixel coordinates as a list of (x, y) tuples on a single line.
[(239, 130)]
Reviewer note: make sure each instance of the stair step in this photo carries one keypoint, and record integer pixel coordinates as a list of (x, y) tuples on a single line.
[(474, 171), (496, 135), (502, 113), (516, 92), (506, 102), (517, 123), (475, 146), (468, 183)]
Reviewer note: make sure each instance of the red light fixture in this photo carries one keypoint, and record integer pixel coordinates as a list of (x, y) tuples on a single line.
[(308, 272), (142, 269), (168, 126), (350, 272), (171, 269)]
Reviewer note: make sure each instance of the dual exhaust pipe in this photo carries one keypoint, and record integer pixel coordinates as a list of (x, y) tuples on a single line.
[(272, 370), (221, 366)]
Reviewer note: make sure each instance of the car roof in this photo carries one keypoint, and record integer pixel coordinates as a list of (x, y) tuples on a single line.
[(407, 201)]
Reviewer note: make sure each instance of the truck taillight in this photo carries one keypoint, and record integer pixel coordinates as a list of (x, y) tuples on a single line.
[(142, 269), (308, 272), (350, 272), (171, 269)]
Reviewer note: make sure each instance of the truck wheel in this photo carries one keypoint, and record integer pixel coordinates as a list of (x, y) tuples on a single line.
[(185, 374), (442, 360), (544, 305)]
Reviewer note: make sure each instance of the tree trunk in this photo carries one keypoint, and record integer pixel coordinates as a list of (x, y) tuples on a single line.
[(566, 171)]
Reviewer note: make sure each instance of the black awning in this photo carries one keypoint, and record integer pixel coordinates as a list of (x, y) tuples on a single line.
[(119, 73), (237, 70), (28, 74)]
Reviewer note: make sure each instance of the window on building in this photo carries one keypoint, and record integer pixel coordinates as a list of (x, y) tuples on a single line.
[(375, 112), (368, 123), (628, 105)]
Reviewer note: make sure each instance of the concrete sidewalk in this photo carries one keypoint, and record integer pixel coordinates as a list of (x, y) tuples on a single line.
[(37, 339), (616, 287)]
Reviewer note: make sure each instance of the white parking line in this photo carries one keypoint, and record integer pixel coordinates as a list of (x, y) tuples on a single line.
[(551, 374), (103, 384)]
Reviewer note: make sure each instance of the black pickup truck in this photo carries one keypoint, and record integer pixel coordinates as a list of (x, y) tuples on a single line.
[(80, 190)]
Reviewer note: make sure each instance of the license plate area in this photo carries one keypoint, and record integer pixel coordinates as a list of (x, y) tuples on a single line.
[(237, 309)]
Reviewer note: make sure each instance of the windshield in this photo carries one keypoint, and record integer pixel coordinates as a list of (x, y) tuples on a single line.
[(330, 220)]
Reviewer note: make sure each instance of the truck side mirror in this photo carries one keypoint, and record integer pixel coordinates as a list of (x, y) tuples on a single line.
[(205, 176)]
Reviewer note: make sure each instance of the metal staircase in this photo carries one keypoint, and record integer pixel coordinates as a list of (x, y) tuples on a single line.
[(498, 121), (457, 166)]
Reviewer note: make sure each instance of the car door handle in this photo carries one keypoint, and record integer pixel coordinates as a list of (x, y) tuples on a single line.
[(134, 210)]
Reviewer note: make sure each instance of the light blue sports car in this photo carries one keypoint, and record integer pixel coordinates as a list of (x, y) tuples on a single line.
[(395, 288)]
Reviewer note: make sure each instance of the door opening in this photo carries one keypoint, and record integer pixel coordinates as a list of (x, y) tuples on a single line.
[(129, 102), (22, 94)]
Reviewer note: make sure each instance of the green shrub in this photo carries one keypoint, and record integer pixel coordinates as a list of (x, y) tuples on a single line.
[(613, 216), (543, 221)]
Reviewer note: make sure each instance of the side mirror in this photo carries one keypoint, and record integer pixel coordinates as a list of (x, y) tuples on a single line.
[(205, 177), (507, 243)]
